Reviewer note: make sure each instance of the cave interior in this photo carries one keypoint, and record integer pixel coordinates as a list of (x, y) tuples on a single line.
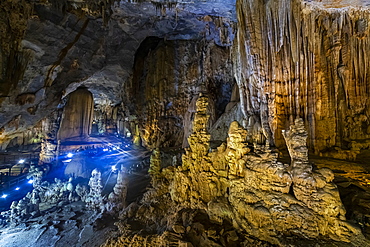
[(184, 123)]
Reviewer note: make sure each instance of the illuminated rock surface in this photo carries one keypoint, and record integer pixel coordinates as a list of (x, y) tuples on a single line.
[(300, 59), (249, 190), (243, 105), (77, 116)]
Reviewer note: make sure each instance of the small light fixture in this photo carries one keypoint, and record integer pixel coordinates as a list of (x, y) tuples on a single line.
[(17, 188), (114, 168), (70, 155), (30, 181), (4, 196), (21, 161), (105, 149)]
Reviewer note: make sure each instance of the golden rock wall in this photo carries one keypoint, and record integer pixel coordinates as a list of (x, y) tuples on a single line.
[(298, 60), (248, 187)]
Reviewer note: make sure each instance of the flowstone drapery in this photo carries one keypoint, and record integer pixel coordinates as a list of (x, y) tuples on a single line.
[(309, 60), (78, 115)]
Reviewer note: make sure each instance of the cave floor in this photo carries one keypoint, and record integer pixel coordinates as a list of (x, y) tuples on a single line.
[(73, 225)]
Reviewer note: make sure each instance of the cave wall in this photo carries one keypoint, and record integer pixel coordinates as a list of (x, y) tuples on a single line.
[(50, 48), (168, 76), (302, 59)]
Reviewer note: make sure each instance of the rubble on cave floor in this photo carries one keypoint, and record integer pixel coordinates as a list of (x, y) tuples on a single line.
[(70, 225)]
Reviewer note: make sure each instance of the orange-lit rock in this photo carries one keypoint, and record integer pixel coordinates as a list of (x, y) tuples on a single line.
[(306, 59), (245, 186)]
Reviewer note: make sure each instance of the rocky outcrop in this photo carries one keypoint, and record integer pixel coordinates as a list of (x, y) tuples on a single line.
[(79, 166), (48, 152), (248, 188), (305, 59), (94, 199), (117, 198)]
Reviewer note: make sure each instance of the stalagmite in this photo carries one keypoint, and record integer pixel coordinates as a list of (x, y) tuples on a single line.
[(117, 198), (94, 199)]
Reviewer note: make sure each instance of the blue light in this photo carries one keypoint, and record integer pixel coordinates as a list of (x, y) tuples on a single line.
[(17, 188), (67, 161), (30, 181), (105, 149), (21, 161), (70, 155), (4, 196)]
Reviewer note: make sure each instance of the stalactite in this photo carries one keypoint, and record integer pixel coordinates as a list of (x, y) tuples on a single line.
[(311, 62)]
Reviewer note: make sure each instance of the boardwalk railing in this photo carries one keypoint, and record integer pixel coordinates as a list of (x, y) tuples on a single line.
[(13, 182)]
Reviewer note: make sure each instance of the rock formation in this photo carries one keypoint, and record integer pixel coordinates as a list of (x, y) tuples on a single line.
[(168, 76), (77, 116), (94, 199), (305, 59), (61, 46), (243, 186), (48, 152), (213, 82), (117, 198), (78, 166)]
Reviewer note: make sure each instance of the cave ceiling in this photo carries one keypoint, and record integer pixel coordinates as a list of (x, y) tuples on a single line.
[(66, 44)]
